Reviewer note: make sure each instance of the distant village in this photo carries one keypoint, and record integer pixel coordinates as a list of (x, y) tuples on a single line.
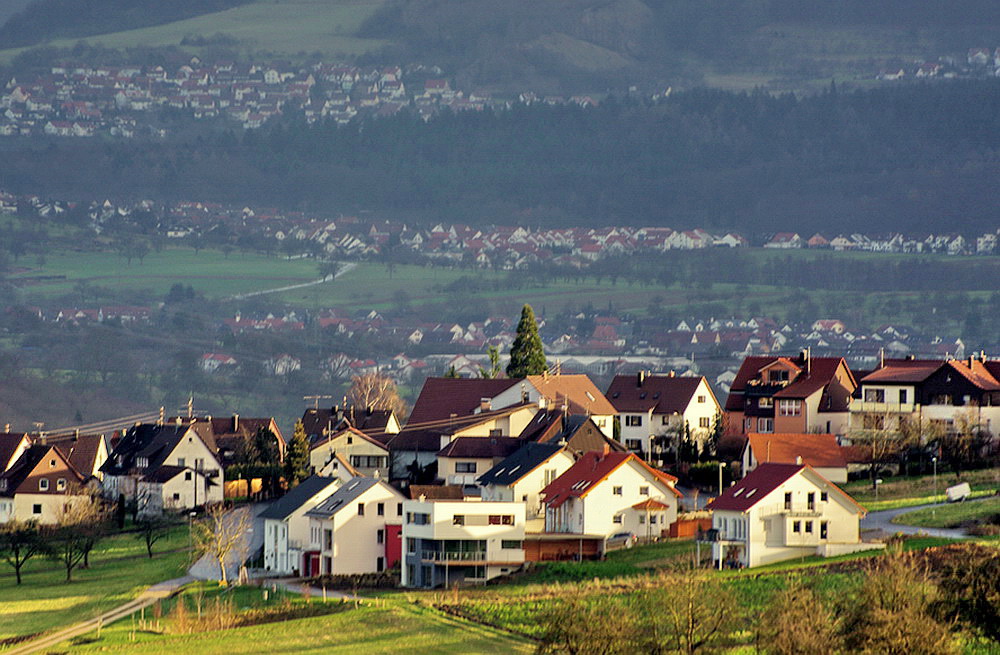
[(978, 63)]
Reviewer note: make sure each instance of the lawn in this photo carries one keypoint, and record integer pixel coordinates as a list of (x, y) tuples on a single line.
[(280, 27), (119, 570), (951, 516), (919, 490), (394, 628)]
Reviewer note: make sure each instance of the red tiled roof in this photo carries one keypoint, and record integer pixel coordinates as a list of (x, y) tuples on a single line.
[(650, 504), (816, 450), (820, 372), (903, 371), (590, 470), (441, 397), (756, 485), (577, 391), (664, 394)]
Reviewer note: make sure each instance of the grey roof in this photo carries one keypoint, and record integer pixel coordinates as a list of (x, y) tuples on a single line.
[(343, 497), (520, 463), (282, 508)]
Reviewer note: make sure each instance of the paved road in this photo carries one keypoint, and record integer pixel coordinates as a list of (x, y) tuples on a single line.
[(883, 521), (145, 599)]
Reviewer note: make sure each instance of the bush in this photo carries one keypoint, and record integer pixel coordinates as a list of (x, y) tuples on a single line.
[(383, 580)]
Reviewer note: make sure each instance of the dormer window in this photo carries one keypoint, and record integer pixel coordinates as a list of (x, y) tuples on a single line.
[(142, 462), (43, 484), (61, 484)]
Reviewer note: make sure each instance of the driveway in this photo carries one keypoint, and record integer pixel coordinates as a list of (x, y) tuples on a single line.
[(883, 521)]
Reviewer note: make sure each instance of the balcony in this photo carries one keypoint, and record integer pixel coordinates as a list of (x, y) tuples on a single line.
[(871, 407), (445, 556)]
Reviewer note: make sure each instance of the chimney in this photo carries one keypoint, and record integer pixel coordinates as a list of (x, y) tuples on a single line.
[(42, 438), (485, 404), (640, 377), (541, 402), (236, 422), (6, 427), (881, 357), (798, 460), (671, 374), (606, 450), (76, 434)]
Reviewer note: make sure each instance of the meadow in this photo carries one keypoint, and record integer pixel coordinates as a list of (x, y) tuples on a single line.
[(119, 570), (952, 516), (278, 27), (906, 491)]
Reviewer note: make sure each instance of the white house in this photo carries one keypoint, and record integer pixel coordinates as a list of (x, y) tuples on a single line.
[(523, 475), (605, 493), (172, 488), (366, 455), (449, 542), (349, 532), (39, 485), (286, 526), (654, 411), (784, 511)]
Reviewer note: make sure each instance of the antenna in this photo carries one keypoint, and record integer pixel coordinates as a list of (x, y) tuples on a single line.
[(316, 399)]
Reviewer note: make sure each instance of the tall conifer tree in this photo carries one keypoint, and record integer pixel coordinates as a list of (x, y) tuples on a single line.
[(297, 457), (527, 356)]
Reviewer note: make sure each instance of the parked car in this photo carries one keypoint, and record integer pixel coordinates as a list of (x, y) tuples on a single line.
[(620, 540)]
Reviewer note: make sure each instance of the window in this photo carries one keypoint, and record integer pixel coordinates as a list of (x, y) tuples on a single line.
[(380, 537), (380, 564), (368, 461), (187, 475), (465, 467), (180, 461), (796, 526), (902, 397), (809, 527), (778, 376), (701, 399), (633, 420), (617, 518), (496, 432), (177, 497), (327, 539), (788, 407), (380, 509), (199, 463), (765, 425), (501, 519), (703, 422), (52, 463), (642, 519), (822, 530), (61, 484), (601, 422), (823, 497), (874, 395), (748, 425), (43, 485), (399, 509), (458, 519), (788, 500), (633, 444), (766, 402), (550, 475), (617, 491), (643, 491), (411, 545), (36, 508), (418, 518), (350, 440), (811, 500), (510, 544), (665, 419), (361, 509)]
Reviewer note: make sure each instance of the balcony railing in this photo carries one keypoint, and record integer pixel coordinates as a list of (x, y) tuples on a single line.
[(443, 556)]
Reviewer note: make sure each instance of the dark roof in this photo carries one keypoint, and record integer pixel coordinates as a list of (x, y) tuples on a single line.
[(907, 371), (814, 374), (763, 480), (543, 426), (819, 373), (316, 421), (343, 497), (756, 485), (481, 447), (590, 470), (418, 437), (9, 441), (149, 440), (282, 508), (82, 450), (27, 462), (165, 473), (437, 491), (441, 397), (816, 450), (664, 394), (516, 466)]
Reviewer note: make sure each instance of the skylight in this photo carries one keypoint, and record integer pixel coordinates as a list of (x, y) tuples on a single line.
[(736, 494), (581, 485), (590, 396), (751, 492)]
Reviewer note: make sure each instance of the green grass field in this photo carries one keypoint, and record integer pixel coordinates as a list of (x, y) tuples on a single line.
[(397, 627), (951, 516), (919, 490), (279, 27), (119, 570)]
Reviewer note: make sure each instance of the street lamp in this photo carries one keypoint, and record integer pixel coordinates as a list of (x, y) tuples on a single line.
[(934, 462), (878, 481), (722, 465)]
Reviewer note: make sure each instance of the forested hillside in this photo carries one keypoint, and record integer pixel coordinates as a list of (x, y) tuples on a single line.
[(44, 20), (921, 157)]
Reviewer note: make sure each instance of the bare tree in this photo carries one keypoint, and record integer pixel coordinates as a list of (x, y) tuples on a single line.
[(688, 611), (79, 525), (19, 542), (224, 535), (884, 436), (376, 391), (797, 621), (151, 530), (593, 625)]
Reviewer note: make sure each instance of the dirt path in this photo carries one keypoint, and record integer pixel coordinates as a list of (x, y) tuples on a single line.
[(344, 269)]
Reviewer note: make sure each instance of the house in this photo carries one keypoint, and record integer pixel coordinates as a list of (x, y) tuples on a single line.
[(12, 445), (320, 422), (820, 451), (286, 526), (230, 435), (785, 240), (947, 396), (39, 485), (365, 455), (355, 530), (790, 395), (578, 433), (780, 512), (451, 542), (132, 469), (522, 475), (462, 460), (604, 493), (86, 452), (655, 411)]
